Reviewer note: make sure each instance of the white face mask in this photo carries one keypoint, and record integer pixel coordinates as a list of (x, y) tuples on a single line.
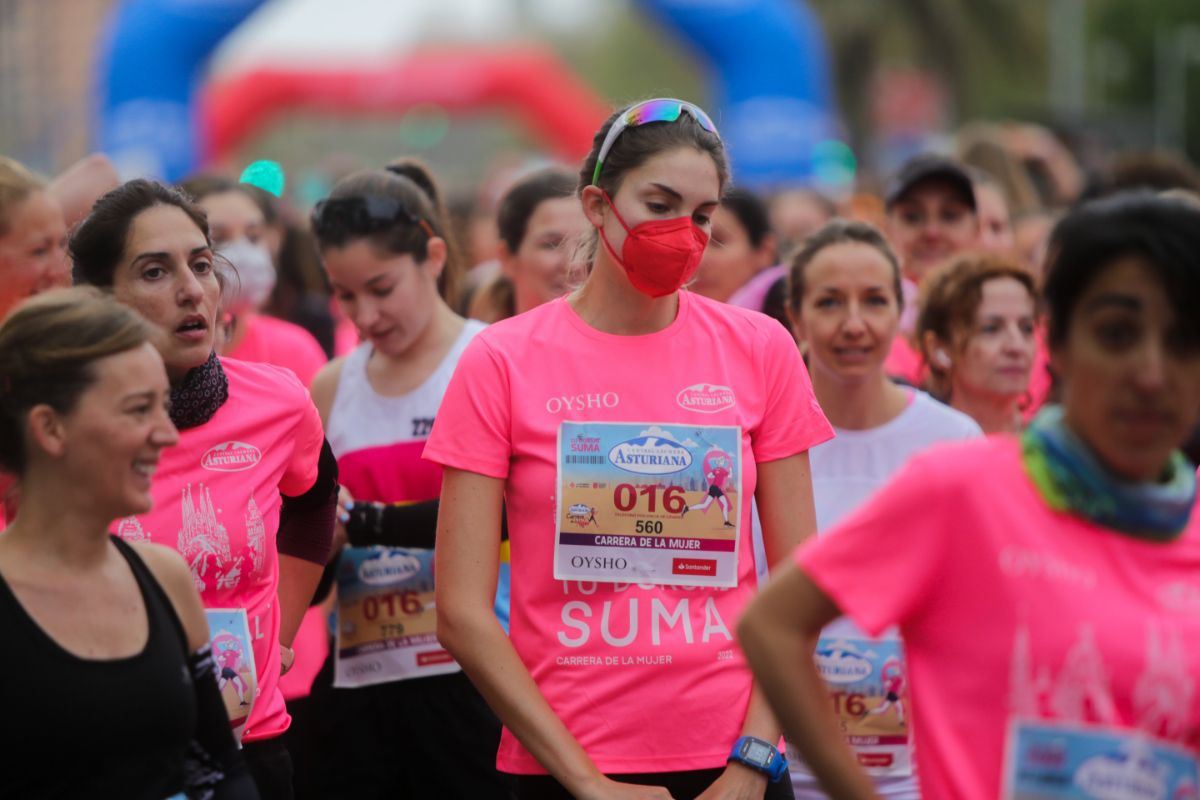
[(250, 282)]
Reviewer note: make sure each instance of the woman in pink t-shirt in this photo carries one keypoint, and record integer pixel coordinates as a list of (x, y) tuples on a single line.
[(977, 329), (248, 495), (1045, 586), (589, 418)]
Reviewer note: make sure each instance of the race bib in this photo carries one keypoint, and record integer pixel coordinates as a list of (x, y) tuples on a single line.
[(237, 678), (1047, 761), (867, 681), (386, 619), (648, 503)]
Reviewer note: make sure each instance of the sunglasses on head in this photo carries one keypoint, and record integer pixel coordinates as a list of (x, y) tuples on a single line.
[(661, 109), (363, 214)]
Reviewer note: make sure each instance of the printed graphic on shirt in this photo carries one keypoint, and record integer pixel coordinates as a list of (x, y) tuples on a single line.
[(131, 530), (202, 539), (1165, 692), (231, 649), (641, 503), (867, 681), (231, 457), (1081, 751), (653, 621), (1046, 761), (421, 426), (206, 545), (706, 398), (387, 621), (256, 534)]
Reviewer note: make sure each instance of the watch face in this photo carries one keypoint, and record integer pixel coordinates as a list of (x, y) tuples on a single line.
[(758, 753)]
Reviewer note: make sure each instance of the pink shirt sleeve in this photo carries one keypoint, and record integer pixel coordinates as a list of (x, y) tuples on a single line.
[(881, 564), (792, 420), (307, 358), (301, 471), (473, 428)]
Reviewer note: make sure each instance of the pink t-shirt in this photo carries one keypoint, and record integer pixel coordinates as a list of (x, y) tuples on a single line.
[(217, 499), (647, 678), (1013, 613), (275, 341), (904, 362), (753, 294), (345, 334)]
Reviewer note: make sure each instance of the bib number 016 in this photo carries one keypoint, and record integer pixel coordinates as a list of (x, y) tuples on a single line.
[(407, 603), (626, 495)]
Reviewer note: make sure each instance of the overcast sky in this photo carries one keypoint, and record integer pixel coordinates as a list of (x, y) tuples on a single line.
[(337, 30)]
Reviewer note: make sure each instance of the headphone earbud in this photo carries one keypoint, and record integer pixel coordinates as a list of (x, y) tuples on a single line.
[(941, 358)]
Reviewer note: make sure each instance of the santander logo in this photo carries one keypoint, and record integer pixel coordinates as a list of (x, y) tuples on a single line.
[(231, 457), (706, 398)]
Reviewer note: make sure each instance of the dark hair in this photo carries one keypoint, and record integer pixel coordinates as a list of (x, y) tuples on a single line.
[(521, 201), (99, 242), (751, 212), (201, 186), (391, 211), (419, 173), (637, 145), (47, 348), (950, 297), (839, 231), (1163, 231), (1157, 171)]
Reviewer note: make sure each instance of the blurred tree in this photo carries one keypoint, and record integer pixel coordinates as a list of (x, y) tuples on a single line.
[(629, 58), (989, 54), (1148, 58)]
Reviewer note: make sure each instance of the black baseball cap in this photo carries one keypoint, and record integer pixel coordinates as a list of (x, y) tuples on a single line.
[(929, 167)]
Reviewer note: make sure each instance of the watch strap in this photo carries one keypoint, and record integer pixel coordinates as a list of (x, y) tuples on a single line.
[(775, 769)]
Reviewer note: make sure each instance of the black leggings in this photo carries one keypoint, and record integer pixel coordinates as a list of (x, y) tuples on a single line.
[(271, 765), (425, 737), (681, 785)]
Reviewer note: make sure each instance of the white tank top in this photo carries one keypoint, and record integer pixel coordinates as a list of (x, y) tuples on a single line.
[(374, 433)]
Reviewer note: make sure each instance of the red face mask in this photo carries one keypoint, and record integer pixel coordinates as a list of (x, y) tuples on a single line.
[(659, 256)]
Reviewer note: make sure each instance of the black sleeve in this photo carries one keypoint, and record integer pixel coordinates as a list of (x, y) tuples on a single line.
[(399, 524), (306, 521), (390, 525), (409, 525), (214, 768)]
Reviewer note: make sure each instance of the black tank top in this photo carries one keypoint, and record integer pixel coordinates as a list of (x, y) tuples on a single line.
[(74, 727)]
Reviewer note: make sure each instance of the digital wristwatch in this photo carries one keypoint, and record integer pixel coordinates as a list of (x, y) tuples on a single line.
[(759, 755)]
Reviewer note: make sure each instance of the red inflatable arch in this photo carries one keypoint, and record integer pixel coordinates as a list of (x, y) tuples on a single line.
[(530, 83)]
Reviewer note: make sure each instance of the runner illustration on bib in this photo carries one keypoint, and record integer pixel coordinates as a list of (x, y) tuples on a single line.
[(718, 466), (892, 678), (228, 652), (233, 652)]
